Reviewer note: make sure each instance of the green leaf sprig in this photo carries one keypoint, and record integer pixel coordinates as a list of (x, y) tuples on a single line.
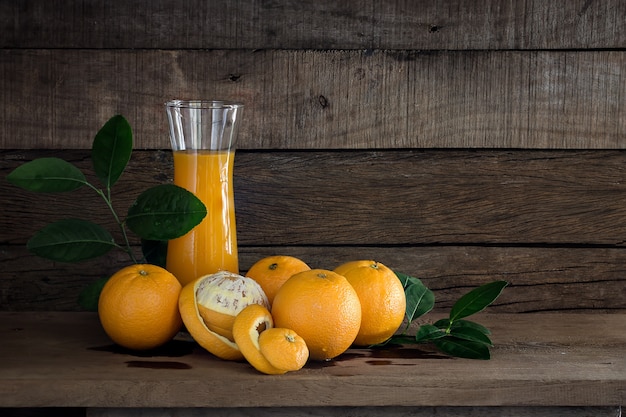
[(454, 335), (159, 214)]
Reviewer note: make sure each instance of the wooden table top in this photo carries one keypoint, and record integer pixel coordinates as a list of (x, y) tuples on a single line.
[(63, 359)]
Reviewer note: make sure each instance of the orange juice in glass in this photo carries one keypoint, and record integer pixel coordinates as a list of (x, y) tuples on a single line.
[(203, 135)]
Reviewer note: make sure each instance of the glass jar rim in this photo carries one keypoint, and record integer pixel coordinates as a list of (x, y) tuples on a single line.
[(203, 104)]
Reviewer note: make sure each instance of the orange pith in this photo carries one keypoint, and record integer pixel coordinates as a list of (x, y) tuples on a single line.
[(220, 323), (271, 272), (382, 298), (138, 307), (322, 307)]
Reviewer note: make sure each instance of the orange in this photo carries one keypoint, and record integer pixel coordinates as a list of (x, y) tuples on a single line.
[(209, 306), (343, 268), (138, 307), (383, 303), (272, 272), (322, 307)]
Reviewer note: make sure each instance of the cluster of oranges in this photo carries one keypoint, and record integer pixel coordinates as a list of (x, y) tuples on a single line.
[(278, 316)]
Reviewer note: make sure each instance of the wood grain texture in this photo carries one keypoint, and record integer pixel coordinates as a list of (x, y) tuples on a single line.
[(540, 279), (390, 411), (362, 412), (65, 359), (327, 24), (337, 99), (438, 197), (551, 223), (395, 197)]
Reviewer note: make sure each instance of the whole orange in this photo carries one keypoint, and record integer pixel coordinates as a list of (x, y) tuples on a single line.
[(343, 268), (322, 308), (138, 307), (383, 303), (271, 272)]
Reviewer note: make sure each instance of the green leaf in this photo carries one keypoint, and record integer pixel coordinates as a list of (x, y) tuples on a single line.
[(428, 332), (89, 296), (165, 212), (442, 324), (47, 175), (111, 150), (476, 300), (398, 339), (447, 325), (71, 240), (154, 251), (472, 325), (469, 333), (462, 348), (407, 280), (419, 300)]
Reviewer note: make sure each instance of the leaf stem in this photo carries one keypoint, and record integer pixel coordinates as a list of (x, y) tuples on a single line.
[(107, 200)]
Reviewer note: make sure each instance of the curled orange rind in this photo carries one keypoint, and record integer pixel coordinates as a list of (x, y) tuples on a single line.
[(269, 350), (283, 348)]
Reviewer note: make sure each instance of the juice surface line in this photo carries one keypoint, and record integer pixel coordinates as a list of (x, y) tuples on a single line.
[(211, 246)]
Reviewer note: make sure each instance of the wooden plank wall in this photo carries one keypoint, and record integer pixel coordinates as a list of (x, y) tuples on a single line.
[(458, 141)]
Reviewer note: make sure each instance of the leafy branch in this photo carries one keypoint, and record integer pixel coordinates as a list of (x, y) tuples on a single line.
[(160, 213), (453, 335)]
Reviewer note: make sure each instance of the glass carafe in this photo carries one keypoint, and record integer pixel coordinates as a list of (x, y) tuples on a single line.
[(203, 136)]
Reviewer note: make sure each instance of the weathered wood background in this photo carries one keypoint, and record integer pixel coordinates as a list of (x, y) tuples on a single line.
[(458, 141)]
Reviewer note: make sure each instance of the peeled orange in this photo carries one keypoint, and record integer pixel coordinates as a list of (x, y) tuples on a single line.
[(209, 305)]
